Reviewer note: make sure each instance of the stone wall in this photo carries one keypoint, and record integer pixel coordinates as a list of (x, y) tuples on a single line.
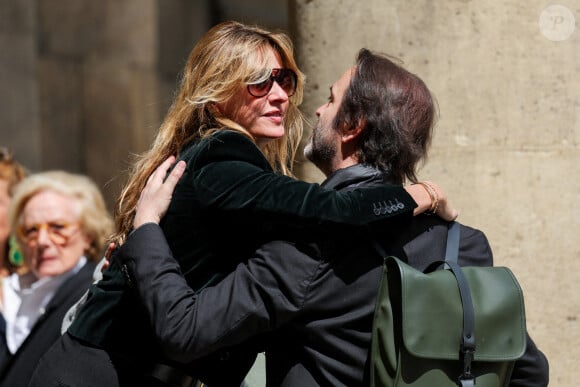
[(507, 146)]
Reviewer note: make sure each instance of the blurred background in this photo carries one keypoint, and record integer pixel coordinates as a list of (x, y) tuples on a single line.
[(85, 85)]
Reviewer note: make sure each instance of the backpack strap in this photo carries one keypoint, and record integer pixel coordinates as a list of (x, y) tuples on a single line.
[(452, 250), (468, 334)]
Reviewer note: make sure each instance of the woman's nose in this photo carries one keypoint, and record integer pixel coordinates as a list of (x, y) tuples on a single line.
[(43, 237), (278, 92)]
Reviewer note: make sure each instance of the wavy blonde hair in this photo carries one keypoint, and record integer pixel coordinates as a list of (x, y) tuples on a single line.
[(225, 59), (96, 222)]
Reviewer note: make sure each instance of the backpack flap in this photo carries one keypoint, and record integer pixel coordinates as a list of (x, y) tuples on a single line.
[(432, 314)]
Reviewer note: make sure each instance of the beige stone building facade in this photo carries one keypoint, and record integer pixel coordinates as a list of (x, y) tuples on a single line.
[(86, 83)]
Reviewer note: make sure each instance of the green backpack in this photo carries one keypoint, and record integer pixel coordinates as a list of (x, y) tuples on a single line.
[(456, 327)]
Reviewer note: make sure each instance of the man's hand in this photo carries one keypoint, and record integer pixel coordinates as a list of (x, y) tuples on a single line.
[(156, 195)]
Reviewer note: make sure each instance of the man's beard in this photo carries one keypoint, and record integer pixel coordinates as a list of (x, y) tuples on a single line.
[(320, 151)]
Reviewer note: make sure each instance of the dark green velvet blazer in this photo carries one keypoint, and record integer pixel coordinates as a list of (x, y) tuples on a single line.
[(227, 203)]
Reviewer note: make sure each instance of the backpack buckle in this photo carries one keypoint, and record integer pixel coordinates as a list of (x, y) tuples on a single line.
[(467, 379)]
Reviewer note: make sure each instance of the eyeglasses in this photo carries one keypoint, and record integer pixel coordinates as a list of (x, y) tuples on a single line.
[(286, 78), (58, 232)]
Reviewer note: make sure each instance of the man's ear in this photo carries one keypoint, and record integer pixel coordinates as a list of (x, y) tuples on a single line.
[(352, 133)]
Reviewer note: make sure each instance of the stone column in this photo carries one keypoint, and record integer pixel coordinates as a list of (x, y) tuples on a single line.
[(19, 107), (506, 147), (85, 84), (130, 76)]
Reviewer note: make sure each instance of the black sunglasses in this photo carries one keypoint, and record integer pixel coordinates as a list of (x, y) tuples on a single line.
[(286, 78)]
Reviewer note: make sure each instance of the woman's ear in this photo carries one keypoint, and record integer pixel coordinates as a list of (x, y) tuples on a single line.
[(214, 108)]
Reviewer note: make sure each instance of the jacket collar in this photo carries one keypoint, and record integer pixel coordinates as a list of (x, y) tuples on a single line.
[(355, 176)]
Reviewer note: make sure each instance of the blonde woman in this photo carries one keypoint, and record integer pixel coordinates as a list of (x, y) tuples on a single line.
[(61, 223), (236, 123)]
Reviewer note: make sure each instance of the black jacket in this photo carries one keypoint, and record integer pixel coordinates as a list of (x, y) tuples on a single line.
[(311, 306), (227, 203), (46, 330)]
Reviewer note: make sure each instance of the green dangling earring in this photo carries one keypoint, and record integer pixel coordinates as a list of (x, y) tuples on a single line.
[(14, 253)]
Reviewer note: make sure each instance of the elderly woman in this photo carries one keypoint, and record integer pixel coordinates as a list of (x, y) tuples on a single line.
[(61, 223)]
